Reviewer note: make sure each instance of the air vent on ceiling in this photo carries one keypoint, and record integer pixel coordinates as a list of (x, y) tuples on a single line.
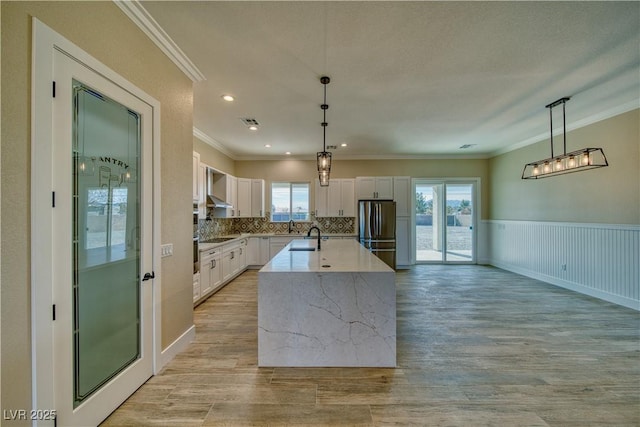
[(249, 121), (332, 147), (465, 146)]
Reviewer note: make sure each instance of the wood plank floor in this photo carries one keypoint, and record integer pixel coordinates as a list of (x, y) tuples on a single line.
[(476, 346)]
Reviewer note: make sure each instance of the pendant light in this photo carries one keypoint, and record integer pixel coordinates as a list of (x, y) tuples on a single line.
[(575, 161), (324, 157)]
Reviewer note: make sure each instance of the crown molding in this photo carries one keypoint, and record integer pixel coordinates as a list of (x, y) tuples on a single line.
[(139, 15), (212, 142)]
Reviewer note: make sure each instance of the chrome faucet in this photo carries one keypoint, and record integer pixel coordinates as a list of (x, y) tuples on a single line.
[(309, 234), (291, 225)]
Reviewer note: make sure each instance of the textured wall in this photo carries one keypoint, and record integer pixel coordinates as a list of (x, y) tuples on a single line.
[(101, 29), (607, 195)]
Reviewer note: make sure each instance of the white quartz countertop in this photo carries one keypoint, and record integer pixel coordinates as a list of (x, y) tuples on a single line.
[(337, 255), (202, 246)]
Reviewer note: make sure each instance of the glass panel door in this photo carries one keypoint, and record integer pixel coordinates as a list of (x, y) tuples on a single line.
[(444, 219), (106, 239), (429, 224), (459, 236)]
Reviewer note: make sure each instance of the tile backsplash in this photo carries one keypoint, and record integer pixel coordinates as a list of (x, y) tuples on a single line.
[(223, 226)]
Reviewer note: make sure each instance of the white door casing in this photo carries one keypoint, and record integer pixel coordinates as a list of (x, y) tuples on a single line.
[(57, 59)]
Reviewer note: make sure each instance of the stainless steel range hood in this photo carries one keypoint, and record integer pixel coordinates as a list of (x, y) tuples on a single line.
[(214, 202)]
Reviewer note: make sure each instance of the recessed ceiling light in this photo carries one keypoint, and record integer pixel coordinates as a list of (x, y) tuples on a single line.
[(267, 145), (253, 127), (228, 98), (344, 144), (288, 153)]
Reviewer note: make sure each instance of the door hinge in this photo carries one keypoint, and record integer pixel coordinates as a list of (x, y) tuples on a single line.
[(54, 89), (53, 199), (54, 312)]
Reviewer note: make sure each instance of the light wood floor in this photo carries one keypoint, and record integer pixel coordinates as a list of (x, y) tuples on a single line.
[(476, 346)]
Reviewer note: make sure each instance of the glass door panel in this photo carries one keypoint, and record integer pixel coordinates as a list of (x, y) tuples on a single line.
[(106, 239), (444, 218), (429, 236), (459, 226)]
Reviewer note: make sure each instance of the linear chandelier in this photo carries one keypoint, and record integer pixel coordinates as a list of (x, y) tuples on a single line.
[(575, 161), (324, 157)]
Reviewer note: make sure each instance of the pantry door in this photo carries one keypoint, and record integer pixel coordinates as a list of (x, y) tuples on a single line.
[(101, 227)]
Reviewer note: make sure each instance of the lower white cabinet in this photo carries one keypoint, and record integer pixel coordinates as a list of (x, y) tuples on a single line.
[(257, 250), (210, 271)]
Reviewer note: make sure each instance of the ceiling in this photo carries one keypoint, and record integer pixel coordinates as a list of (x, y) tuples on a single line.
[(408, 79)]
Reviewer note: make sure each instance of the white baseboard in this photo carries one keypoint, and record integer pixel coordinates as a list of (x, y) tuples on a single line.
[(576, 287), (177, 346)]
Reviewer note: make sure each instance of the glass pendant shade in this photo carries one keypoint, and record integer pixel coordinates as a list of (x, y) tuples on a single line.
[(324, 167)]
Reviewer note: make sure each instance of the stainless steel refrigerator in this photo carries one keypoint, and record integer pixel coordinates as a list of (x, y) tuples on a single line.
[(377, 228)]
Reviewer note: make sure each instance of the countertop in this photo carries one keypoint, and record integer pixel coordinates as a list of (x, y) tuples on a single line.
[(235, 237), (341, 255)]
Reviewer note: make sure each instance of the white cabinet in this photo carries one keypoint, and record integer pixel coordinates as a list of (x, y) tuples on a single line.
[(232, 196), (242, 256), (403, 241), (402, 195), (210, 271), (243, 198), (196, 181), (257, 198), (321, 194), (338, 199), (257, 250), (374, 187), (341, 198)]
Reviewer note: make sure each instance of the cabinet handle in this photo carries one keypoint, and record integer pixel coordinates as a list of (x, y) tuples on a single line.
[(233, 254), (240, 251), (213, 264)]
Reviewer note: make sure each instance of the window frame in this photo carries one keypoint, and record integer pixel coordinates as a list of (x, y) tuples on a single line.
[(290, 212)]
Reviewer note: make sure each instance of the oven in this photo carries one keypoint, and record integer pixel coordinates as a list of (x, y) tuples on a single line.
[(196, 240)]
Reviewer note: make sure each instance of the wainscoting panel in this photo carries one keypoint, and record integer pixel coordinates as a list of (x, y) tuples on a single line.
[(601, 260)]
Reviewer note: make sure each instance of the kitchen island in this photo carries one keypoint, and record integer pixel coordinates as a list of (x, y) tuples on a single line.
[(332, 307)]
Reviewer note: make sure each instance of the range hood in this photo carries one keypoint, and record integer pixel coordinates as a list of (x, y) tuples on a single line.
[(214, 202)]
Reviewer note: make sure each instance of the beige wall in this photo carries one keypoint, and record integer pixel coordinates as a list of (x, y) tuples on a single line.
[(606, 195), (101, 29), (305, 170), (213, 157)]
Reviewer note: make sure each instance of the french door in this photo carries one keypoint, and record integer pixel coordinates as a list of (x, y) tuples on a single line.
[(445, 221), (103, 338)]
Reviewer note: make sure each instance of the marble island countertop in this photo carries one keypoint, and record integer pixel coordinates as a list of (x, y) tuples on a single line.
[(202, 246), (344, 255)]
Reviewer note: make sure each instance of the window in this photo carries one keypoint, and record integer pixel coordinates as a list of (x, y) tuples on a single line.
[(289, 201)]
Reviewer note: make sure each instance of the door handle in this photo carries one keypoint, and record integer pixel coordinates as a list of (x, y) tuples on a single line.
[(148, 276)]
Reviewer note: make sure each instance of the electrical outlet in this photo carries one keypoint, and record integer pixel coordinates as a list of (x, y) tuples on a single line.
[(166, 250)]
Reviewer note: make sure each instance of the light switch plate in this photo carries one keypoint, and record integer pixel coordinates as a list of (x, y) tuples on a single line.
[(166, 250)]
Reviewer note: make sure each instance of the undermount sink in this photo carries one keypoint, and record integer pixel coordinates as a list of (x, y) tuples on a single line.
[(302, 248)]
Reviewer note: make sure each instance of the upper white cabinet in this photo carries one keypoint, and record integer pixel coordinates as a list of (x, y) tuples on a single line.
[(338, 199), (257, 198), (243, 198), (374, 187), (402, 195), (196, 177), (250, 198), (341, 198)]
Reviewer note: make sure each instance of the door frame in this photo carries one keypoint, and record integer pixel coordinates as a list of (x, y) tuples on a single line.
[(45, 42), (475, 181)]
